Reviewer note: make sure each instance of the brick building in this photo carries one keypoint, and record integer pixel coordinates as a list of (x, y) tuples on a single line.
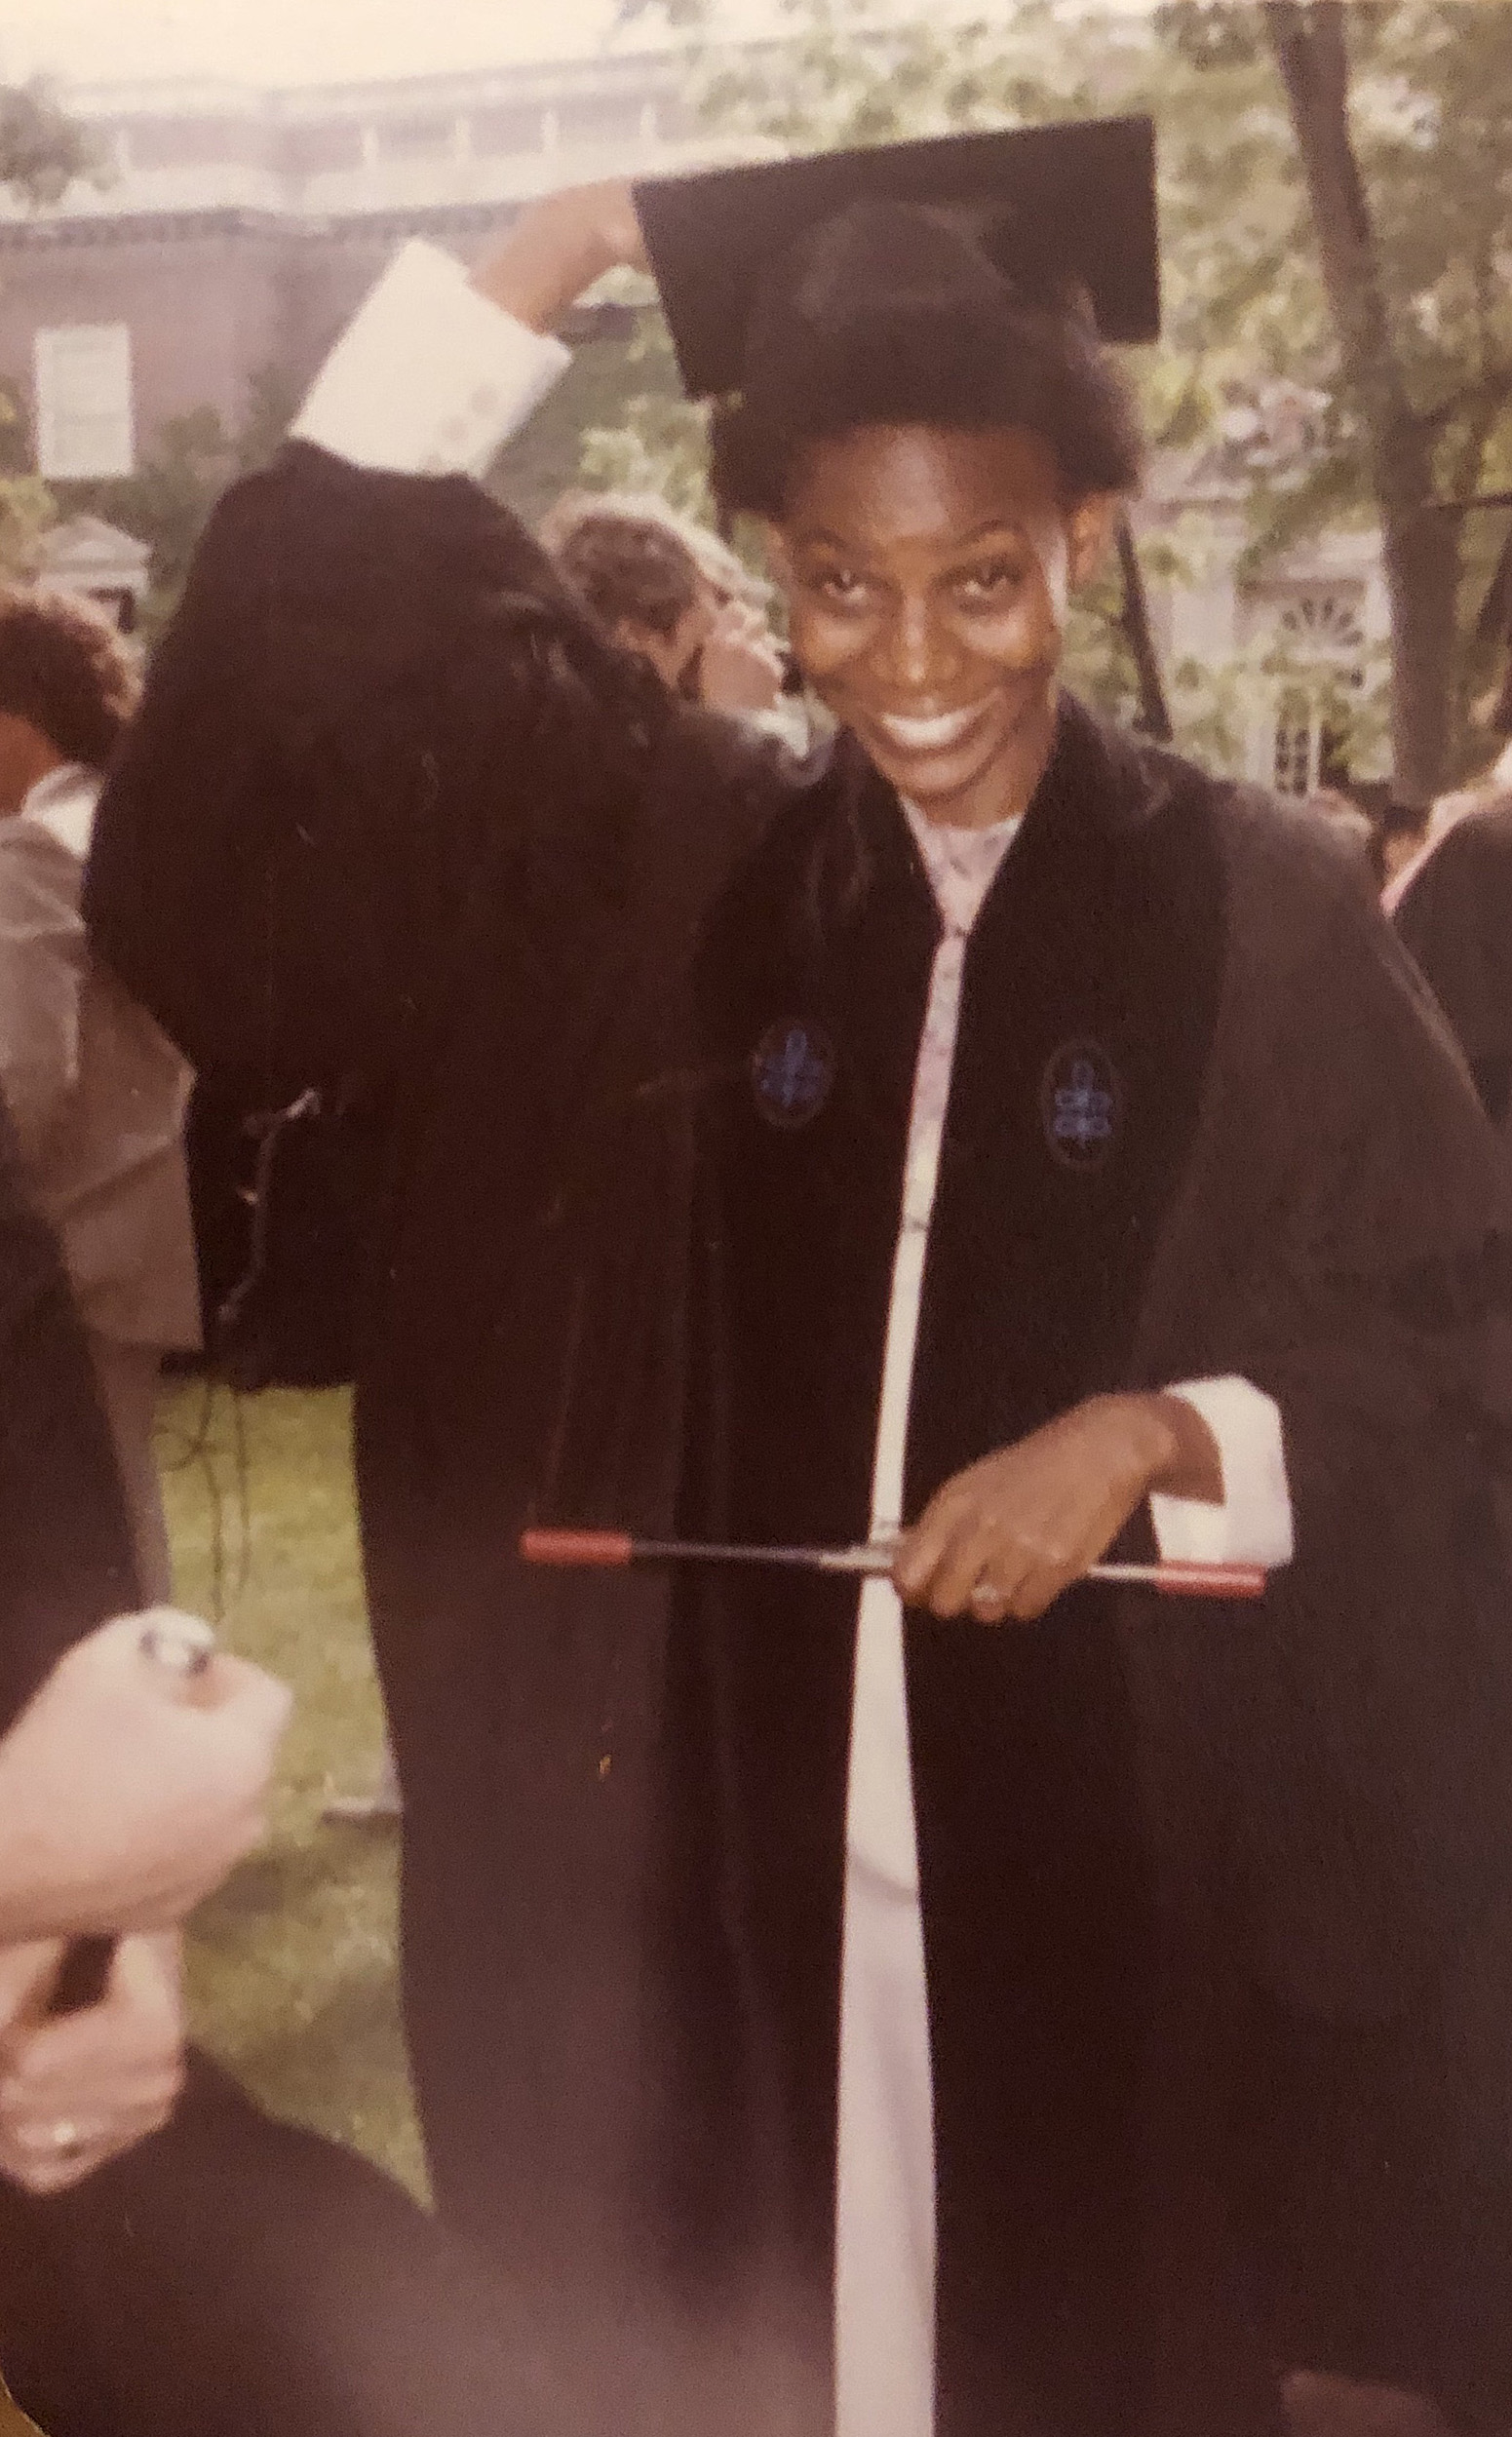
[(232, 231)]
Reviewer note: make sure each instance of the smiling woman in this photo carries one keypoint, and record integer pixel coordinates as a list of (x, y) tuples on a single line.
[(917, 1864), (937, 460), (928, 574)]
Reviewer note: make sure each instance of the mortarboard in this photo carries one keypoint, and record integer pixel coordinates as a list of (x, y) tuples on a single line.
[(1069, 205)]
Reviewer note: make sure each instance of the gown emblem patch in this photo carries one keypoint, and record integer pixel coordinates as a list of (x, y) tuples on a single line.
[(792, 1072), (1081, 1104)]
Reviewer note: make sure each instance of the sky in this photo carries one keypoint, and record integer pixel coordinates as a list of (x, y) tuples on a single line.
[(303, 42), (292, 42)]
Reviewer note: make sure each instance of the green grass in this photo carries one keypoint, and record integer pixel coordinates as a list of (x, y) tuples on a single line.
[(292, 1966)]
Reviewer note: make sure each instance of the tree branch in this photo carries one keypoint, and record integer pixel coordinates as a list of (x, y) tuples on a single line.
[(1421, 553)]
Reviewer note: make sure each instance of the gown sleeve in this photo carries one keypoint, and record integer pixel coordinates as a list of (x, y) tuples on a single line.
[(280, 837), (1455, 921), (1352, 1262), (1252, 1525)]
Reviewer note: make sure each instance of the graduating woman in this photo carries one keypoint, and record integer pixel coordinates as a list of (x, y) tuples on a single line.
[(1045, 1074), (1079, 2008)]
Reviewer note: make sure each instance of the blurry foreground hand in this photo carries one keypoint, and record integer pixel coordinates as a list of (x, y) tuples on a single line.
[(128, 1791), (78, 2088)]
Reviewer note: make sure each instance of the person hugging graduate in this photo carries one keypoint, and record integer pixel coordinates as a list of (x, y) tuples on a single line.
[(1074, 2013)]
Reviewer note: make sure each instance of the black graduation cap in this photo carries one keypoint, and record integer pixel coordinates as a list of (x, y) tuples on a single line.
[(1071, 204)]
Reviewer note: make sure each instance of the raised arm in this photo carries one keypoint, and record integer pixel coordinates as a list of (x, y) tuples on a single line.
[(283, 843)]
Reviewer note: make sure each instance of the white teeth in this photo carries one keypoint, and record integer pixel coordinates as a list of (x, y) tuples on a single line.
[(923, 736)]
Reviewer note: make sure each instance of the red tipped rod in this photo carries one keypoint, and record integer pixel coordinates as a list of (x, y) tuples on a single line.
[(619, 1548)]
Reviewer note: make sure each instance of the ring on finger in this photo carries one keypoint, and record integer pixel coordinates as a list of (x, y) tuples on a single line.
[(65, 2140), (985, 1598)]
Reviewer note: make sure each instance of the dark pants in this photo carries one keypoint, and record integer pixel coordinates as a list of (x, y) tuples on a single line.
[(235, 2277)]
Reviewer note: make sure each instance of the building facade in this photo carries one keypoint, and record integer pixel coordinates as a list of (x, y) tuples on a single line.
[(230, 233), (1277, 660)]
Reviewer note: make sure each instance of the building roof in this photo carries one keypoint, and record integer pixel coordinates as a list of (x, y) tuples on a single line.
[(327, 152)]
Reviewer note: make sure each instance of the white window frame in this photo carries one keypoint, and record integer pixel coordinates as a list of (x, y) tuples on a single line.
[(85, 409)]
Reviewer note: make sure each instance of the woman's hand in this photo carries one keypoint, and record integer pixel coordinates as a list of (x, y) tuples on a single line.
[(559, 247), (77, 2089), (128, 1791), (1009, 1534)]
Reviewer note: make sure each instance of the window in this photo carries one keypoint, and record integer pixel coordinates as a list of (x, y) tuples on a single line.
[(1295, 767), (415, 140), (1322, 623), (84, 401), (1320, 649)]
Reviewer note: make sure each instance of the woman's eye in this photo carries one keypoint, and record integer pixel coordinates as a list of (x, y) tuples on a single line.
[(840, 586), (992, 582)]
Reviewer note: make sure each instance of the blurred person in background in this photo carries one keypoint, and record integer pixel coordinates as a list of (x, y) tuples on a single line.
[(98, 1094), (130, 1785), (674, 593), (1354, 832), (168, 2270)]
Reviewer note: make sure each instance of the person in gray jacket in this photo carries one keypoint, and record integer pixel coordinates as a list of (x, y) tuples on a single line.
[(97, 1092)]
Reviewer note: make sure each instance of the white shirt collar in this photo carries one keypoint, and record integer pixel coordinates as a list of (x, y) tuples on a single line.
[(63, 804), (962, 863)]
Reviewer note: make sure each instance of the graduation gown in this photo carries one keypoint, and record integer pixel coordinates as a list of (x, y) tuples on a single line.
[(1189, 1873), (1455, 919), (381, 828), (347, 832)]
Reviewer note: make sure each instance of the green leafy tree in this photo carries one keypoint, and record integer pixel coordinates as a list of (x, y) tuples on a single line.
[(26, 505), (1397, 116), (166, 503), (41, 152), (168, 500)]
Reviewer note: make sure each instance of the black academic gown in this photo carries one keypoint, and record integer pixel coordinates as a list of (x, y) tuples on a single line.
[(1455, 919), (334, 841), (378, 827), (1209, 1893)]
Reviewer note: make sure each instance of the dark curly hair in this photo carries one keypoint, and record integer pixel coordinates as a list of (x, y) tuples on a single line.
[(624, 565), (889, 313), (64, 668)]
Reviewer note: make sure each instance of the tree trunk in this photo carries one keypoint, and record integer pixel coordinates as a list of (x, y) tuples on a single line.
[(1420, 551)]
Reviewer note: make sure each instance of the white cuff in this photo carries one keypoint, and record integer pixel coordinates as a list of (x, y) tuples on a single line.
[(1253, 1526), (429, 377)]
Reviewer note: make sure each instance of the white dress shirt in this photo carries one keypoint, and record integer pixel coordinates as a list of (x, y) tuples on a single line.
[(430, 378)]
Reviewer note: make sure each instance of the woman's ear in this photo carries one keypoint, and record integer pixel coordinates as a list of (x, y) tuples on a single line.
[(1089, 532)]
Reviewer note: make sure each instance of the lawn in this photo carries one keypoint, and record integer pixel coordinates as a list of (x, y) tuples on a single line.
[(292, 1966)]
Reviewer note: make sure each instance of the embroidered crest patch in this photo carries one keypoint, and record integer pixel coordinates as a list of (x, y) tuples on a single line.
[(791, 1071), (1081, 1104)]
